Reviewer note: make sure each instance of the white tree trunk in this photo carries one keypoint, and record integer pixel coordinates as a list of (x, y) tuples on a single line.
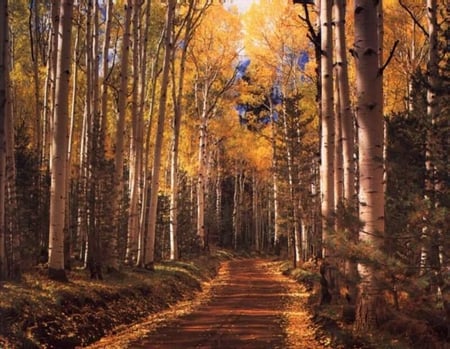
[(347, 129), (276, 218), (136, 141), (59, 145), (176, 125), (236, 208), (49, 102), (201, 173), (338, 158), (255, 213), (327, 124), (113, 257), (168, 45), (105, 67), (369, 312)]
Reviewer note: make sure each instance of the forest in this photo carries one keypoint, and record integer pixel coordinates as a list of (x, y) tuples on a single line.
[(159, 141)]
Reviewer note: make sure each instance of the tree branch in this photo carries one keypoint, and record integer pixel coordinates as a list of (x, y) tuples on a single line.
[(391, 54), (413, 17), (313, 36)]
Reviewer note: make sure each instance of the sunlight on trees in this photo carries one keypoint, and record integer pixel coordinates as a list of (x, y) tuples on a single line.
[(133, 132)]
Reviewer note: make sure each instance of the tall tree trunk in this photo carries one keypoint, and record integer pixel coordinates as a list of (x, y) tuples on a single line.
[(219, 200), (347, 136), (87, 138), (82, 224), (177, 97), (113, 253), (296, 235), (139, 187), (327, 123), (256, 213), (59, 146), (370, 304), (275, 184), (14, 237), (49, 111), (236, 207), (338, 159), (4, 77), (201, 173), (168, 47), (145, 207), (70, 145), (327, 149), (136, 141), (192, 19), (105, 69), (432, 256), (95, 153), (34, 28)]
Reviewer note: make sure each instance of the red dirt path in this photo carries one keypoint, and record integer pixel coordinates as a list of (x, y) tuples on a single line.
[(250, 305)]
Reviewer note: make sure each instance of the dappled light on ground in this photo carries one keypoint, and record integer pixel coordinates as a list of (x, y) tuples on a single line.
[(249, 305)]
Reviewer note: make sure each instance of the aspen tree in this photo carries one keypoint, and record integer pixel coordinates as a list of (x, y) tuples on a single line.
[(433, 250), (70, 146), (34, 34), (192, 20), (327, 148), (49, 98), (14, 265), (145, 207), (95, 153), (327, 123), (369, 107), (136, 141), (213, 53), (59, 145), (347, 129), (154, 190), (113, 257), (105, 67), (136, 227)]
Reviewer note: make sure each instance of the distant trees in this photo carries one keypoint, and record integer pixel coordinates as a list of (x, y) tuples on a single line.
[(212, 57)]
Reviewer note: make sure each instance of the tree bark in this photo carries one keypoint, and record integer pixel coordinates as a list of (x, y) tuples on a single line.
[(178, 87), (370, 311), (136, 141), (327, 125), (202, 176), (327, 149), (59, 146), (105, 69), (168, 47), (113, 254)]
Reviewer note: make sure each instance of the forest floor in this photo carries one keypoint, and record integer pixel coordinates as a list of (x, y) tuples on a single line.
[(249, 305), (223, 301)]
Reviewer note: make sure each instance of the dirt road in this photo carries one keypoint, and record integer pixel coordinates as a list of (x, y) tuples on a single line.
[(250, 306)]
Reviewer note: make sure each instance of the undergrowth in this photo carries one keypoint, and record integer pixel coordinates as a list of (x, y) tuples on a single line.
[(407, 329)]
